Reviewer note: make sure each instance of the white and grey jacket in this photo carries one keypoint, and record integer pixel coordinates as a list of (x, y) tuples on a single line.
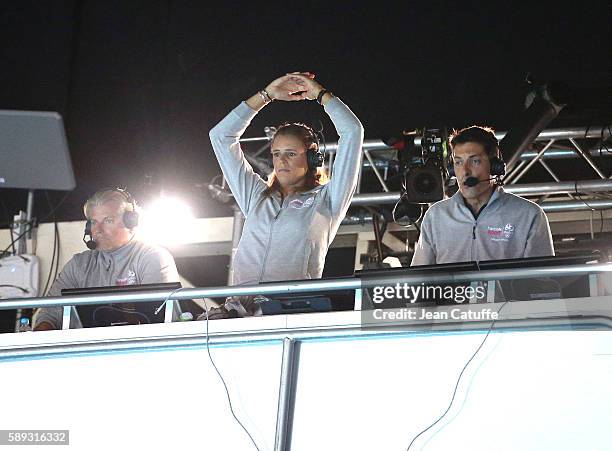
[(507, 227), (287, 239)]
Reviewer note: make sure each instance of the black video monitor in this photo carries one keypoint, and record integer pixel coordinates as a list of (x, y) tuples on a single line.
[(554, 287), (422, 294), (120, 314), (522, 289), (532, 262), (403, 271), (321, 301)]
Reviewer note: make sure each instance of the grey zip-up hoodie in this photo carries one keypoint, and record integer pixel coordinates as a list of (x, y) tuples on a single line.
[(287, 240), (507, 227)]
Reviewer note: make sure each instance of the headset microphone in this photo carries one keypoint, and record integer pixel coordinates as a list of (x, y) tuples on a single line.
[(90, 243)]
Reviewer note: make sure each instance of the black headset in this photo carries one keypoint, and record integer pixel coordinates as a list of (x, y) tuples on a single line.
[(129, 218), (498, 166), (314, 156)]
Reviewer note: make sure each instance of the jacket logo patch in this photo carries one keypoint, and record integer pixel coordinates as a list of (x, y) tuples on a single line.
[(298, 203), (501, 233), (129, 280)]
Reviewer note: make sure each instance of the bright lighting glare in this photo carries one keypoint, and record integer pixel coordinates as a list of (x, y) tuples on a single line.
[(167, 221)]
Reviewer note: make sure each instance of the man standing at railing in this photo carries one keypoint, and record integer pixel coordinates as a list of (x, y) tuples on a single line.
[(481, 221), (114, 256)]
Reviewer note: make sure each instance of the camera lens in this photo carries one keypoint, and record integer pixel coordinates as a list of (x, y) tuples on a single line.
[(425, 183)]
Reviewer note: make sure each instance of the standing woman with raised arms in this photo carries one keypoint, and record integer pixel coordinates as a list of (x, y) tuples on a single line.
[(293, 217)]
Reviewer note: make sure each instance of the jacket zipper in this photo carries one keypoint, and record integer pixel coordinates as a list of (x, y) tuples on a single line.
[(474, 242), (265, 258)]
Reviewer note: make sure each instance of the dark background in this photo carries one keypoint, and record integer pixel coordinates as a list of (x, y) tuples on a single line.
[(140, 83)]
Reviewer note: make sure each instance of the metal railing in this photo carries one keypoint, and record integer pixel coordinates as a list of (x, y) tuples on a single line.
[(310, 286)]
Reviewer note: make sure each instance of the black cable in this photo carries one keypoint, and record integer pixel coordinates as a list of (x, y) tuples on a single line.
[(586, 130), (32, 223), (416, 226), (23, 290), (5, 213), (378, 234), (44, 292), (56, 245), (229, 400), (585, 203), (458, 379), (13, 242), (461, 373), (55, 255), (31, 226), (602, 141), (322, 140), (57, 236), (54, 209), (54, 260)]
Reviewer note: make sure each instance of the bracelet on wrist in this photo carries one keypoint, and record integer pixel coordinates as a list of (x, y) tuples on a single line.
[(322, 92), (264, 98), (268, 95), (267, 98)]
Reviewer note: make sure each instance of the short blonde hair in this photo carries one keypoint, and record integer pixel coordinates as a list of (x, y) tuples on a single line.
[(102, 197)]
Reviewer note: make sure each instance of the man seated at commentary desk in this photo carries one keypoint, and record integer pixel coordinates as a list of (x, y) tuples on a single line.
[(481, 221), (114, 257)]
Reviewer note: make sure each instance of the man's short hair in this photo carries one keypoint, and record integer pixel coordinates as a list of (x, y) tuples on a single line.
[(480, 135), (109, 195)]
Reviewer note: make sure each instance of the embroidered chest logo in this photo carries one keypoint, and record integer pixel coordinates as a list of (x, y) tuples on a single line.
[(129, 280), (501, 233), (299, 203)]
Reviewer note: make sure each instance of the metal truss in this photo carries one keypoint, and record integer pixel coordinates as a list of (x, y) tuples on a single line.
[(551, 144), (574, 207)]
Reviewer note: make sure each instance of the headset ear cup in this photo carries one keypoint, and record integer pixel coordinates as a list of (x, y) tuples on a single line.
[(314, 159), (130, 219), (320, 159), (498, 166)]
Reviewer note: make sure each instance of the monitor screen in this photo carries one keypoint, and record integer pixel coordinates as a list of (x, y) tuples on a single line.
[(34, 151), (520, 289), (102, 315)]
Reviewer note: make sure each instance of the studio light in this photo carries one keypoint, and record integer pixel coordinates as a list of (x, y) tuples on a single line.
[(167, 221)]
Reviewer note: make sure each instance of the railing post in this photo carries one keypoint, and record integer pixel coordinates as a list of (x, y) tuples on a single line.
[(286, 400)]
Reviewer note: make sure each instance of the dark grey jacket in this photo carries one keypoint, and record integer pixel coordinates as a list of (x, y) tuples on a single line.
[(288, 240)]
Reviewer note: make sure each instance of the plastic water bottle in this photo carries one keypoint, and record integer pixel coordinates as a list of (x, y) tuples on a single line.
[(186, 316), (24, 324)]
